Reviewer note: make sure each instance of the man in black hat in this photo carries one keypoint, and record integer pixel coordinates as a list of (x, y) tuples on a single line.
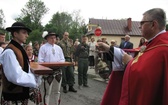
[(50, 52), (17, 78)]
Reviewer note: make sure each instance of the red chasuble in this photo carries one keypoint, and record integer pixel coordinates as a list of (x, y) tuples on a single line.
[(145, 80)]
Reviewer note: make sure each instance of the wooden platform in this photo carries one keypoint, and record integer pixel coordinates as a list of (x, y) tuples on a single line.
[(45, 67), (56, 64), (39, 69)]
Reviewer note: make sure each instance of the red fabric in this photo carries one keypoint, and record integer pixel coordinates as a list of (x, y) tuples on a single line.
[(124, 92), (113, 90), (148, 78), (132, 50), (145, 80)]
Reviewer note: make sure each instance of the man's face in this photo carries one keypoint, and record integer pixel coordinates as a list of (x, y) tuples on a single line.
[(92, 39), (112, 43), (127, 38), (66, 35), (37, 46), (84, 39), (2, 38), (51, 39), (146, 28), (21, 36)]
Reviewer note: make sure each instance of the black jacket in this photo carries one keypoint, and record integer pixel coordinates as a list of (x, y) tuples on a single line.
[(129, 45)]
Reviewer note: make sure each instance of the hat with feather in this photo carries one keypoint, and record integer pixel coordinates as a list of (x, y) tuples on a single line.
[(46, 34)]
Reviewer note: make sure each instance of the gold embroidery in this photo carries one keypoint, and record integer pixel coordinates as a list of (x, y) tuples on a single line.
[(156, 46), (145, 50), (137, 57)]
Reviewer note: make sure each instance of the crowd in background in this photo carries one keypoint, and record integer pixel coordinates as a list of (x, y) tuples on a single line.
[(33, 49), (94, 54), (83, 53), (131, 77)]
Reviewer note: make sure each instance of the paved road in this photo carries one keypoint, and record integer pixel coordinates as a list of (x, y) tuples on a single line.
[(86, 96)]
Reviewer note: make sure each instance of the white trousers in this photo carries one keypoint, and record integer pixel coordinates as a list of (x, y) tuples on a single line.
[(48, 88)]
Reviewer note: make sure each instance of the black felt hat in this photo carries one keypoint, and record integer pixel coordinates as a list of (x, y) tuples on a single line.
[(16, 26), (46, 34)]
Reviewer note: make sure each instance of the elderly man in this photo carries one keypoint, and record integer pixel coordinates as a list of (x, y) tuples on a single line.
[(126, 44), (50, 52), (145, 79)]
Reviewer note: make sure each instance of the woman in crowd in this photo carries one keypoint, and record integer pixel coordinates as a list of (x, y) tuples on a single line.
[(142, 41), (35, 93), (29, 51)]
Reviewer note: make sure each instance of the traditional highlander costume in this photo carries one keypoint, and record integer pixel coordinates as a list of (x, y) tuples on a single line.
[(16, 75), (51, 53)]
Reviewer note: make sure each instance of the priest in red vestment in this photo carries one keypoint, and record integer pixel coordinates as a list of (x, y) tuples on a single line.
[(145, 78)]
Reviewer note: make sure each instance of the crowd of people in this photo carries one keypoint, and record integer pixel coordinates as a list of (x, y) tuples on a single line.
[(131, 81), (52, 49), (84, 54)]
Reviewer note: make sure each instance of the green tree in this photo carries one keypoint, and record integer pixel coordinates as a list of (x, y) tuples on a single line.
[(78, 26), (35, 36), (31, 16), (35, 10), (72, 23), (59, 23), (2, 21)]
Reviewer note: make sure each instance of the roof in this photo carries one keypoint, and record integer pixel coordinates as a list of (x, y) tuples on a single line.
[(114, 27)]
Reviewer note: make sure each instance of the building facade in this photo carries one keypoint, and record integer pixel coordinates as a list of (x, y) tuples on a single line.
[(115, 30)]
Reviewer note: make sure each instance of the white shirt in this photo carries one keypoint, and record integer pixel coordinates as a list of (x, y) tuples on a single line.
[(92, 48), (117, 63), (50, 53), (1, 49), (13, 71)]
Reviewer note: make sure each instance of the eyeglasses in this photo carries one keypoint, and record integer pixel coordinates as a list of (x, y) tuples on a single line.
[(142, 22)]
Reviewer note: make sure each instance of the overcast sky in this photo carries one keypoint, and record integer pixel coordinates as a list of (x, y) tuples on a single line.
[(98, 9)]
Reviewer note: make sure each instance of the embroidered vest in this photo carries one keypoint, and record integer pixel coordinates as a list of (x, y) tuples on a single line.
[(10, 91)]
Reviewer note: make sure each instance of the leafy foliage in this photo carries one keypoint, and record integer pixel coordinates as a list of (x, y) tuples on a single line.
[(31, 16), (2, 21), (78, 27), (59, 23), (35, 36), (71, 23), (35, 10)]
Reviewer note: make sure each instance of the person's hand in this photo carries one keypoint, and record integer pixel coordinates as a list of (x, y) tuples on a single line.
[(126, 58), (74, 63), (38, 79), (102, 46), (92, 50)]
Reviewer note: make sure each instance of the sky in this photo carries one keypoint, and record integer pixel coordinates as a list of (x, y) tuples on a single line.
[(98, 9)]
